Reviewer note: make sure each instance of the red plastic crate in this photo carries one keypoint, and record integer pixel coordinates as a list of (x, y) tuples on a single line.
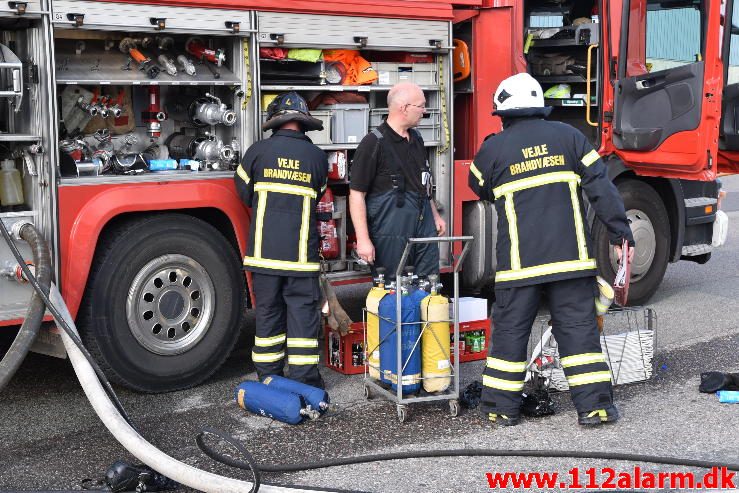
[(465, 354), (341, 353)]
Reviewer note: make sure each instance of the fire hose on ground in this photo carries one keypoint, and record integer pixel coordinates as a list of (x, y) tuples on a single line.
[(111, 412)]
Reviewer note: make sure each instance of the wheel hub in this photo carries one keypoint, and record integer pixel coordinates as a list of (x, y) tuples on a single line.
[(646, 244), (170, 304)]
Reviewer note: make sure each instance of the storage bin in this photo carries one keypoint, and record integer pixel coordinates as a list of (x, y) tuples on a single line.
[(349, 122), (318, 137), (389, 73)]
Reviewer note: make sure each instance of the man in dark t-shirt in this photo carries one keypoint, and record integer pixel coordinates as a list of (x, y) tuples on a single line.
[(390, 197)]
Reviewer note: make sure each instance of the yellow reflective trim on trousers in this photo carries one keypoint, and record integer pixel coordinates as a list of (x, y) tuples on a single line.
[(582, 247), (586, 378), (503, 365), (302, 359), (282, 264), (304, 230), (285, 188), (545, 269), (269, 341), (500, 384), (259, 226), (590, 158), (510, 213), (536, 181), (267, 357), (478, 175), (301, 342), (582, 359), (242, 174)]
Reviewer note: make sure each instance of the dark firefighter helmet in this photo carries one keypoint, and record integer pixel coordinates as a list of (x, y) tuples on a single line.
[(290, 106)]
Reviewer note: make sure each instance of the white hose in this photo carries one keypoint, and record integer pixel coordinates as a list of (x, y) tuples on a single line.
[(135, 443)]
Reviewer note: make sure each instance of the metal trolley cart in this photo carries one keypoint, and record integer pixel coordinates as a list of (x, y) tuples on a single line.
[(372, 386)]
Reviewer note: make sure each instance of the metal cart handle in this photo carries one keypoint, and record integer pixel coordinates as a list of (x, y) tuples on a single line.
[(436, 239)]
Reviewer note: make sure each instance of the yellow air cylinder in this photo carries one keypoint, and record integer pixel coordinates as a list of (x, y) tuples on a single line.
[(372, 304), (435, 366)]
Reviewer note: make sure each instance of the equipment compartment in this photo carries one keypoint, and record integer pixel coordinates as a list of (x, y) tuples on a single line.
[(130, 103)]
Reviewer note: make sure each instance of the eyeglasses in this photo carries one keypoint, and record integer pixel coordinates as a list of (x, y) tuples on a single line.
[(419, 106)]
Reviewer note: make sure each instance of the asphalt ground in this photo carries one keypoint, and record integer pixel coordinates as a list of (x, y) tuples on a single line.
[(51, 438)]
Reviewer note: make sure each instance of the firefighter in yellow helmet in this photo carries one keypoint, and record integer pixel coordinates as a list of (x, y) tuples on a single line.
[(282, 178), (535, 171)]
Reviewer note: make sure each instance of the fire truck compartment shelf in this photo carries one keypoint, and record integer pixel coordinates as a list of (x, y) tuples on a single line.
[(157, 176), (19, 138), (557, 79), (107, 68), (339, 88)]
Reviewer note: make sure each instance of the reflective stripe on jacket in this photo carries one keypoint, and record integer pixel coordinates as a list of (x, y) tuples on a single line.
[(281, 179), (534, 172)]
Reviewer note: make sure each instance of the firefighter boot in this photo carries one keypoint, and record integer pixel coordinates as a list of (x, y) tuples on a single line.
[(504, 419), (598, 416)]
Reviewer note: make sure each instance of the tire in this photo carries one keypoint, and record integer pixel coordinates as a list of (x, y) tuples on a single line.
[(651, 228), (164, 303)]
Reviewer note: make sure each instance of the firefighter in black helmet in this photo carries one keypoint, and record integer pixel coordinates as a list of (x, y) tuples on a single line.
[(534, 171), (282, 178)]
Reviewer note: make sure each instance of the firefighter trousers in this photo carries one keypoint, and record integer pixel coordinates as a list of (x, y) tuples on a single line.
[(390, 227), (288, 320), (572, 308)]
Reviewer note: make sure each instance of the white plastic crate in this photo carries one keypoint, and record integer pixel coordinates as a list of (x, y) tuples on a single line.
[(429, 127), (389, 73), (318, 137), (349, 122)]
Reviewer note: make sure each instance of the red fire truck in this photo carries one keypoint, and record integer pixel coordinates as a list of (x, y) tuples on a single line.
[(124, 122)]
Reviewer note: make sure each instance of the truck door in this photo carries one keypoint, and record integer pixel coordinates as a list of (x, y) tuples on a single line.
[(667, 87), (728, 144)]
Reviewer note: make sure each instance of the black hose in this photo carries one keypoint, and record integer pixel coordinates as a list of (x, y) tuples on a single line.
[(60, 320), (36, 308), (250, 465)]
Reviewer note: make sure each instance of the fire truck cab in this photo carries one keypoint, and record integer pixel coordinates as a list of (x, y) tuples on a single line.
[(125, 122)]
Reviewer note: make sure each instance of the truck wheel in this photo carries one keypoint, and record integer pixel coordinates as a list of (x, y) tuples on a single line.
[(651, 229), (164, 302)]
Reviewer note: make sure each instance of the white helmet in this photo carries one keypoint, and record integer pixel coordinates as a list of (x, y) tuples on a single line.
[(518, 92)]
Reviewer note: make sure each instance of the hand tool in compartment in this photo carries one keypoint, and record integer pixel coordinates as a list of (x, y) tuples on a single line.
[(196, 47), (209, 110), (212, 69), (168, 64), (154, 116), (130, 46), (187, 66), (160, 45)]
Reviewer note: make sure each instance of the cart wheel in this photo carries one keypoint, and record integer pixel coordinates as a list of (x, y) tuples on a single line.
[(454, 408), (367, 394), (402, 413)]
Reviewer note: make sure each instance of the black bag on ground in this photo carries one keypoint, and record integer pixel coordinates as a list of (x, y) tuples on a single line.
[(713, 381)]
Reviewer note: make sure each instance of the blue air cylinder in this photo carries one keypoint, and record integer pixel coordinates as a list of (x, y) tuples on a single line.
[(272, 403), (316, 398), (410, 331)]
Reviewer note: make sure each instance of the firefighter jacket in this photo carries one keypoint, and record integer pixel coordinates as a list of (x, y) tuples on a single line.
[(282, 178), (534, 171)]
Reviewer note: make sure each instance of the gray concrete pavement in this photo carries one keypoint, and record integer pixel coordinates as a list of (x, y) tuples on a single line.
[(52, 439)]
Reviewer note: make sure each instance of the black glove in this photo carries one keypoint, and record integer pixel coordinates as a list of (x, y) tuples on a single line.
[(713, 381)]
